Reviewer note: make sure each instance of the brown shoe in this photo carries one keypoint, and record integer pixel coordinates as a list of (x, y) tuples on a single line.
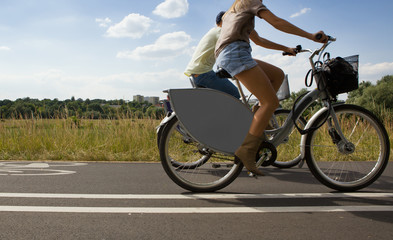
[(247, 153)]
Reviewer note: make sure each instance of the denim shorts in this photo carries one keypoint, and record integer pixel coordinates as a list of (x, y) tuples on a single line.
[(236, 58)]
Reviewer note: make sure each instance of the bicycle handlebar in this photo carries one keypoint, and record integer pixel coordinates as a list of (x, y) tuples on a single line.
[(297, 50), (300, 50), (318, 51)]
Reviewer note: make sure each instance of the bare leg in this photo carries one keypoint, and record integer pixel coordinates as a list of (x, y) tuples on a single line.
[(263, 81), (275, 74)]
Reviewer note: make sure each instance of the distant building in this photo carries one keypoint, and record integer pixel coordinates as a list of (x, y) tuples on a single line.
[(152, 100), (141, 99)]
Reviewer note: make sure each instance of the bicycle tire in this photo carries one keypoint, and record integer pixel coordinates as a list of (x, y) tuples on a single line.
[(348, 167), (216, 173), (288, 152), (188, 140), (159, 133)]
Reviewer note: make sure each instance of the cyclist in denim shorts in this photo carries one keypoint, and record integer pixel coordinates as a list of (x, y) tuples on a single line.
[(233, 53)]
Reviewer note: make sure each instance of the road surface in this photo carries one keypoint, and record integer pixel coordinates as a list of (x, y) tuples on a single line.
[(68, 200)]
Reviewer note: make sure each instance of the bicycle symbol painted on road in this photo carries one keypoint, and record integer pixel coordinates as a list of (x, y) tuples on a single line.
[(36, 169)]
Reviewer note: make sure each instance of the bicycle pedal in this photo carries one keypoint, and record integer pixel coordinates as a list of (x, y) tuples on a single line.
[(250, 174)]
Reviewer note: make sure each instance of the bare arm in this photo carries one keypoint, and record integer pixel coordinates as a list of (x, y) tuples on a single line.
[(263, 42), (288, 27)]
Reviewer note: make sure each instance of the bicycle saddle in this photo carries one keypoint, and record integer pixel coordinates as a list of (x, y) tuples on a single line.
[(222, 73)]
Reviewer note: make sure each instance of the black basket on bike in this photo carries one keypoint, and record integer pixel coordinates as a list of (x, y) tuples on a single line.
[(337, 75)]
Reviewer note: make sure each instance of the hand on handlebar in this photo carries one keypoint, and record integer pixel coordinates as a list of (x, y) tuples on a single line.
[(320, 37), (292, 51)]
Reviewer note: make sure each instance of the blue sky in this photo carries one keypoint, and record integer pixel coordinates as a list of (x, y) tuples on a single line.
[(116, 49)]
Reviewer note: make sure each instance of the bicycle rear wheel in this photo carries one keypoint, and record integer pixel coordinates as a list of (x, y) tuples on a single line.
[(210, 172), (348, 166), (187, 140)]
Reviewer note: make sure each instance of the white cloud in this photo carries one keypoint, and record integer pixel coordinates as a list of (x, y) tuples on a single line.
[(369, 68), (303, 11), (4, 48), (172, 8), (132, 26), (374, 72), (167, 46), (103, 22)]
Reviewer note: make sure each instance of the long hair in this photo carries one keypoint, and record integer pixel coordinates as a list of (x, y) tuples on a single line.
[(239, 5)]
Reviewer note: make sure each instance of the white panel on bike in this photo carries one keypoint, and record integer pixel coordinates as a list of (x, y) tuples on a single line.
[(216, 119)]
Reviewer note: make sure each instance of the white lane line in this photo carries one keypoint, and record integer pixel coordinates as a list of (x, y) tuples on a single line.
[(197, 196), (193, 210)]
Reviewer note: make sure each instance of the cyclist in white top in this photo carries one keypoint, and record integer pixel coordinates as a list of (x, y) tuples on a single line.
[(203, 60)]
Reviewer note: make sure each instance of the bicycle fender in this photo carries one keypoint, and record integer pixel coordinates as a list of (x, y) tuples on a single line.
[(308, 125), (215, 119), (167, 118)]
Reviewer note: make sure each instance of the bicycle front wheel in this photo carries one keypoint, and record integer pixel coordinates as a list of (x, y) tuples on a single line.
[(352, 163), (210, 171)]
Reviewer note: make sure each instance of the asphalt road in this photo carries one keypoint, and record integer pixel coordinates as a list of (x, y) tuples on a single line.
[(60, 200)]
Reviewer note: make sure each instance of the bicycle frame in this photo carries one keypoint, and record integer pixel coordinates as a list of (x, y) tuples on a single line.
[(281, 133)]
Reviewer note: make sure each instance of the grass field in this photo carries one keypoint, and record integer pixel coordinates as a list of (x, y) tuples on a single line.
[(86, 140)]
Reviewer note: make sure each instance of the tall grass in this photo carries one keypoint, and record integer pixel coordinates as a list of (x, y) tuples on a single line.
[(123, 139), (387, 119)]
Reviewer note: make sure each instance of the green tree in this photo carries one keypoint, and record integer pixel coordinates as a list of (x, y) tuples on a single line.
[(374, 97), (288, 103)]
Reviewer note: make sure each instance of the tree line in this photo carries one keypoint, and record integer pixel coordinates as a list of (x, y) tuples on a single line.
[(375, 97), (27, 108)]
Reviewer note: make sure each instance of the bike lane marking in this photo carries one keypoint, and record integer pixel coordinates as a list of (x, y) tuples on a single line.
[(36, 168)]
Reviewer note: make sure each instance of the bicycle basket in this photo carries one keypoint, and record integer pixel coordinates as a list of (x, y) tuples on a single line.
[(338, 75)]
